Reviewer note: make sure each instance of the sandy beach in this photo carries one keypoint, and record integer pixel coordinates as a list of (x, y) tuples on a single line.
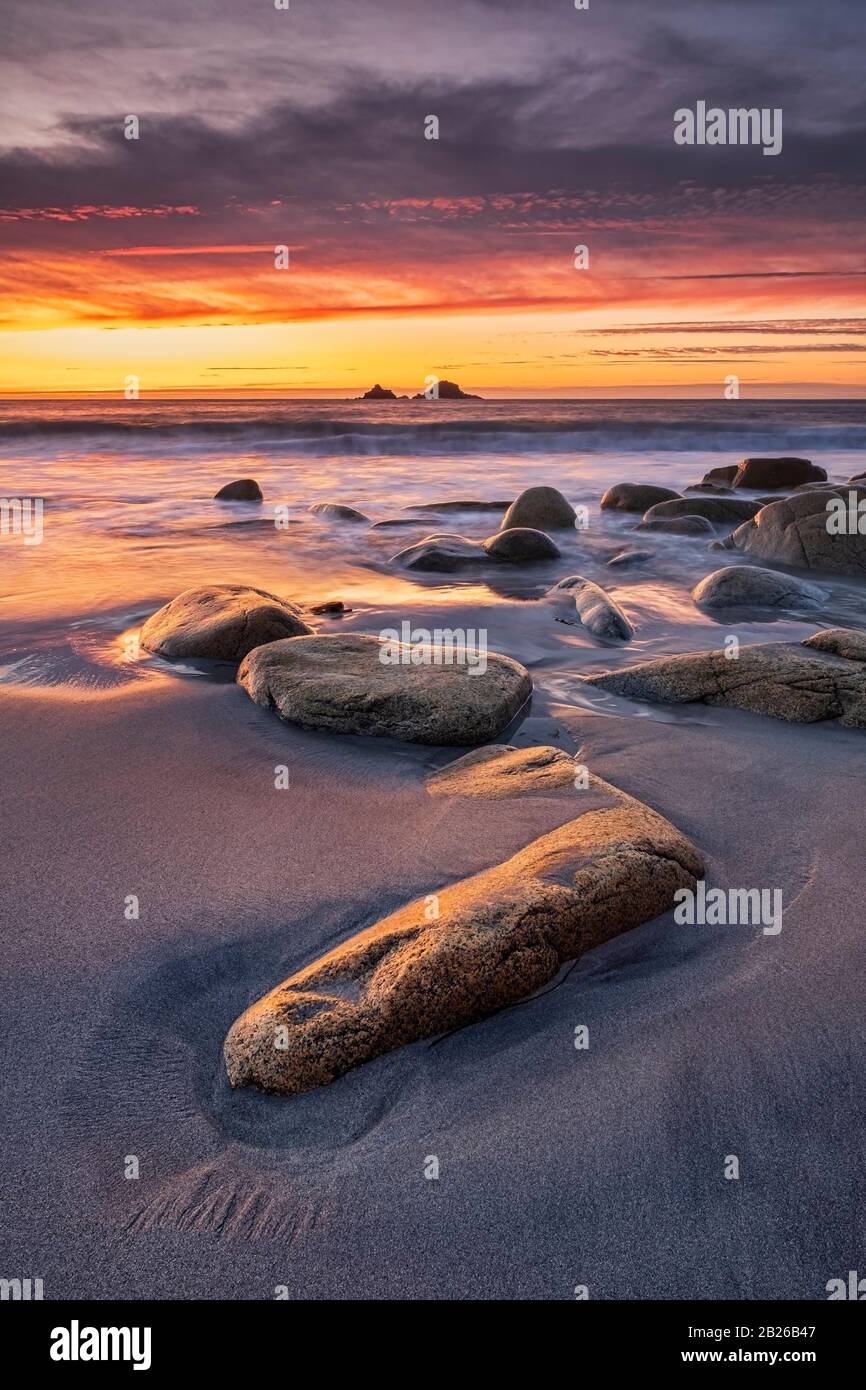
[(558, 1167)]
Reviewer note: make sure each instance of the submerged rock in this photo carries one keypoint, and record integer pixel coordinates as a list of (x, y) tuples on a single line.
[(598, 612), (541, 508), (332, 608), (627, 558), (779, 679), (498, 936), (242, 490), (335, 511), (440, 553), (521, 543), (357, 684), (459, 504), (751, 585), (796, 532), (719, 510), (499, 770), (635, 497), (677, 525), (220, 621)]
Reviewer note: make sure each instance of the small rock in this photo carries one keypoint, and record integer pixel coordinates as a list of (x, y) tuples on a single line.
[(627, 558), (677, 525), (440, 553), (598, 612), (332, 608), (518, 543), (220, 621), (242, 490), (541, 509), (725, 474), (337, 512), (635, 497), (761, 588)]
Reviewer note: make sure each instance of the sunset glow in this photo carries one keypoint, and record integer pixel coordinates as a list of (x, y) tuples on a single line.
[(155, 256)]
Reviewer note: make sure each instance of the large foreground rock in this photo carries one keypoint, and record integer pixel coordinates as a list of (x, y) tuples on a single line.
[(498, 936), (635, 497), (341, 684), (750, 585), (795, 532), (220, 621), (598, 612), (541, 508), (520, 543), (241, 490), (779, 679), (718, 510)]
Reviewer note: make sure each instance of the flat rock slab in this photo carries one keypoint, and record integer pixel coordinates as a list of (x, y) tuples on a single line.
[(635, 497), (341, 684), (738, 585), (541, 508), (500, 771), (499, 936), (796, 531), (780, 679), (598, 612), (222, 622)]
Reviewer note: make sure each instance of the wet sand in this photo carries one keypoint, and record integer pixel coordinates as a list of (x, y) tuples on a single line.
[(558, 1167)]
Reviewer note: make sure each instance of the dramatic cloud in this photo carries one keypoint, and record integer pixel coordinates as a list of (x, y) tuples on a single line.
[(261, 128)]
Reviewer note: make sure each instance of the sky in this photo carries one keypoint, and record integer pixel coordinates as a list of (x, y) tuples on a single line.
[(411, 257)]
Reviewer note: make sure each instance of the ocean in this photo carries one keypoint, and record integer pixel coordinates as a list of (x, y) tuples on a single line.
[(129, 517)]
